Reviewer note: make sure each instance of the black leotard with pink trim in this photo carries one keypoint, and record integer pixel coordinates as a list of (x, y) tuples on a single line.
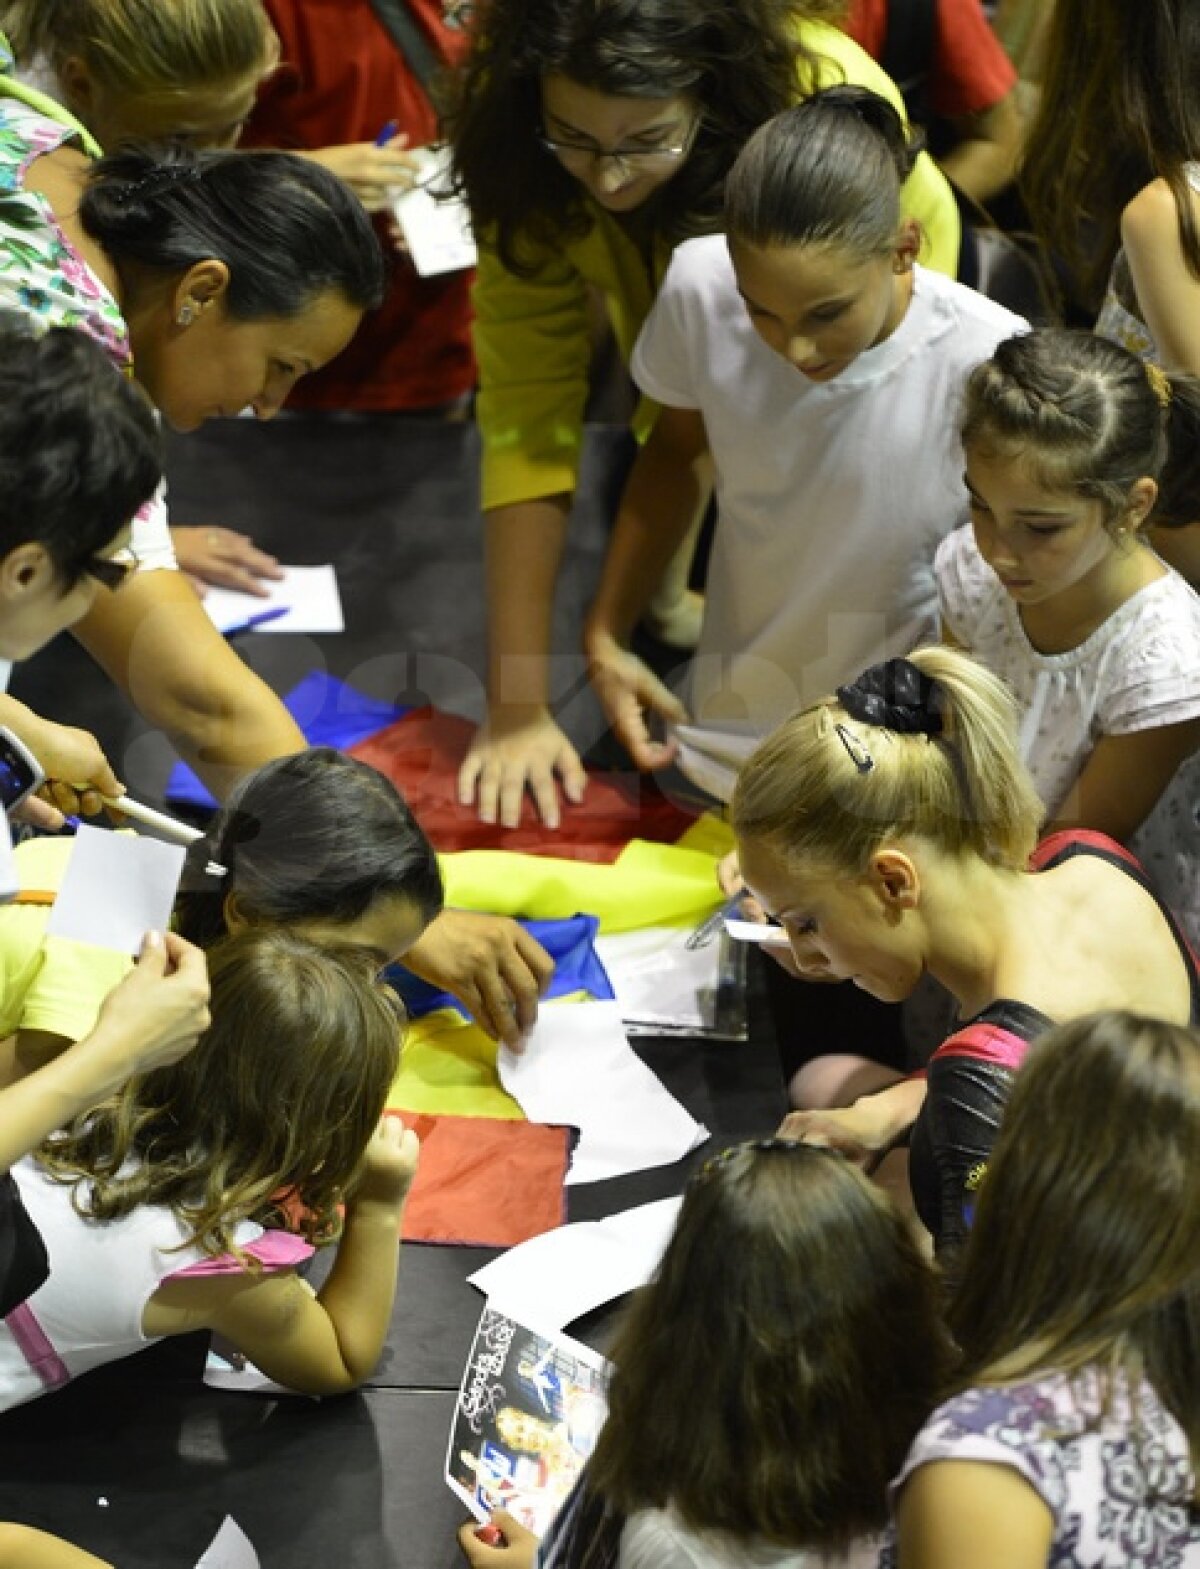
[(970, 1075)]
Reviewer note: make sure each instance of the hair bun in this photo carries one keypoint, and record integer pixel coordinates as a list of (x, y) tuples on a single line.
[(896, 695)]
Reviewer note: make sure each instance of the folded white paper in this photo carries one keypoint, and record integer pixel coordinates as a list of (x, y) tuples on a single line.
[(579, 1068), (117, 887), (308, 598), (436, 225), (563, 1274), (231, 1548)]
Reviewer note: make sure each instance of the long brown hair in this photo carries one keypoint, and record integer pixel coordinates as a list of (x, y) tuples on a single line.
[(1086, 1242), (770, 1380), (1118, 107), (281, 1095), (738, 59)]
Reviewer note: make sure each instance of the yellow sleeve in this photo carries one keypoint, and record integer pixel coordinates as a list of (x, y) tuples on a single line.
[(74, 979), (926, 196), (533, 345)]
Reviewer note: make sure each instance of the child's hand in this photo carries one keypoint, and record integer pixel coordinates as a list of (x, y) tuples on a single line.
[(629, 691), (78, 775), (159, 1011), (490, 964), (388, 1168), (518, 1552)]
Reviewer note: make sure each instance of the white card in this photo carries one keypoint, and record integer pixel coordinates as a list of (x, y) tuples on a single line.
[(757, 931), (231, 1548), (436, 225), (578, 1068), (306, 599), (117, 887), (558, 1277)]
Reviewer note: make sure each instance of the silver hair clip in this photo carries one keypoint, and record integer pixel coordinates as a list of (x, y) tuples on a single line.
[(855, 750)]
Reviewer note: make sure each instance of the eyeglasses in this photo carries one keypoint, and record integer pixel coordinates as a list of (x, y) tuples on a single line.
[(109, 572), (628, 158)]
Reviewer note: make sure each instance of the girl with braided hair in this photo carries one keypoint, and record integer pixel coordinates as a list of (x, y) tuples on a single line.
[(1074, 448), (892, 830)]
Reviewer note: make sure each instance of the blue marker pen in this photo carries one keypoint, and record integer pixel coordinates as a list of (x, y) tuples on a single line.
[(259, 620), (387, 133)]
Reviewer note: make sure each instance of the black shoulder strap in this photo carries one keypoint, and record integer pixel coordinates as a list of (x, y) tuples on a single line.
[(908, 52), (409, 39)]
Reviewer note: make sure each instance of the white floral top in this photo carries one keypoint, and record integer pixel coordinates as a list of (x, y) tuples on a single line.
[(42, 275), (1118, 1483), (1138, 671)]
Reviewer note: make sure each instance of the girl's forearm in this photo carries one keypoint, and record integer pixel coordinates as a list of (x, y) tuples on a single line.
[(524, 545), (360, 1292)]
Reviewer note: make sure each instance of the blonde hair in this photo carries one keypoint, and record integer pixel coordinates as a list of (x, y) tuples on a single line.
[(830, 788), (146, 48)]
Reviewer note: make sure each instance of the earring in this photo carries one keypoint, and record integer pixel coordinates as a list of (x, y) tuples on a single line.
[(187, 314)]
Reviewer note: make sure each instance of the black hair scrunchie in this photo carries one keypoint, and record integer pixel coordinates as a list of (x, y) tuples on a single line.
[(896, 695)]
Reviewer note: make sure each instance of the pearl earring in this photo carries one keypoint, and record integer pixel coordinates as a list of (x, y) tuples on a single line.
[(187, 314)]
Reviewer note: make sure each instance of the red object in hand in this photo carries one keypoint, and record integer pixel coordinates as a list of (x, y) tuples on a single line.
[(491, 1535)]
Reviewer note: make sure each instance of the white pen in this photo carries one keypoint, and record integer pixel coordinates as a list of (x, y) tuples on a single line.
[(169, 827)]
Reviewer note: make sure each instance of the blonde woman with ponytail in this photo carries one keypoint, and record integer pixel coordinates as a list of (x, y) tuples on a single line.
[(892, 831)]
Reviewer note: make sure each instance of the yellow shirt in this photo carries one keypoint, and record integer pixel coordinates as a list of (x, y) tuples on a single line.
[(532, 334), (49, 983)]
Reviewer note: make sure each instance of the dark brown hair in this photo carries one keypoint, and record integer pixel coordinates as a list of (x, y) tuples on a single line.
[(1084, 413), (281, 1095), (1086, 1242), (769, 1381), (826, 171), (1118, 107), (737, 59)]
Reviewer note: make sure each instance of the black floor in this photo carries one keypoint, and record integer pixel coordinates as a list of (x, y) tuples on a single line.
[(139, 1462)]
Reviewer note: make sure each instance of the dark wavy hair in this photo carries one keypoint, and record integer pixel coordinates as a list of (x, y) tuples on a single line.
[(825, 171), (80, 449), (280, 1096), (1084, 414), (737, 59), (769, 1381), (314, 836), (287, 229), (1118, 107), (1086, 1243)]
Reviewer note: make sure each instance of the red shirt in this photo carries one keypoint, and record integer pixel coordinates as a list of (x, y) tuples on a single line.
[(970, 71), (341, 79)]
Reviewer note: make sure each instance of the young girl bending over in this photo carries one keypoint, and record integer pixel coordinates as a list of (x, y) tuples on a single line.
[(891, 829), (1073, 1433), (165, 1209), (1073, 449), (765, 1383)]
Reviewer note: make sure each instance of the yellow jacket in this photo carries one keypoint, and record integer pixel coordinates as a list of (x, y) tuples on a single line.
[(532, 334)]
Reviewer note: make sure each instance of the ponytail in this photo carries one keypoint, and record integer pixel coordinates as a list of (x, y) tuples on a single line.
[(923, 747), (286, 228), (826, 171)]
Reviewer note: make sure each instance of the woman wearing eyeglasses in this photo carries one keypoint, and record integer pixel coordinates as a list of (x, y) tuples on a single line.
[(590, 138)]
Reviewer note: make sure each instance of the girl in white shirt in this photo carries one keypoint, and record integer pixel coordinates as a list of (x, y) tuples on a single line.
[(1073, 447)]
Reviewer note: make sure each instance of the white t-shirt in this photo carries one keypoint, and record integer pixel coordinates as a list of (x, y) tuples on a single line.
[(1138, 671), (832, 496)]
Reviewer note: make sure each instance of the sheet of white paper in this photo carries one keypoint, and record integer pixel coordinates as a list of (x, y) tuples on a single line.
[(116, 888), (578, 1068), (658, 979), (563, 1274), (436, 225), (231, 1548), (757, 931), (9, 880), (308, 597)]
